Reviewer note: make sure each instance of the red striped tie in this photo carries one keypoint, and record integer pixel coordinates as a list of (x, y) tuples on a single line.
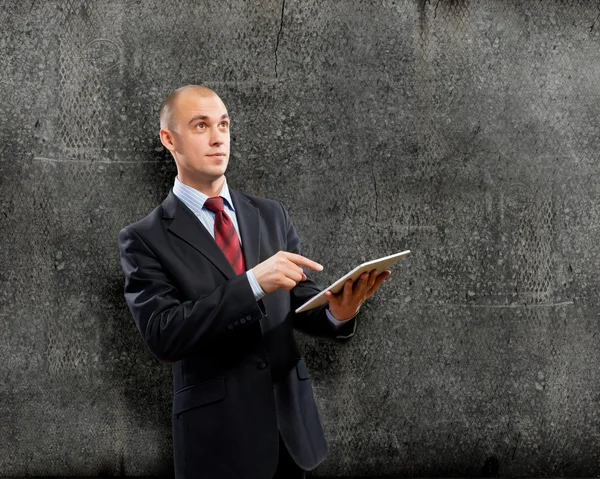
[(225, 234)]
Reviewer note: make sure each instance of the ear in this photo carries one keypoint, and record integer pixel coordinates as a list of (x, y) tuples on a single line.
[(166, 138)]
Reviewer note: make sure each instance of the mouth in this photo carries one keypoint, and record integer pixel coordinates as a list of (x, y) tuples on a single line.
[(217, 154)]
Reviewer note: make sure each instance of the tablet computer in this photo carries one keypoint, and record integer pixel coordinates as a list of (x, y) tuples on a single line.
[(380, 265)]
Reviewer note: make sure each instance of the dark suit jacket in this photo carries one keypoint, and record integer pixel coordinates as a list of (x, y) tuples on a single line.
[(238, 377)]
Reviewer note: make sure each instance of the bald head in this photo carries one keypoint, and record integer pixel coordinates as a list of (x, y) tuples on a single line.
[(168, 110)]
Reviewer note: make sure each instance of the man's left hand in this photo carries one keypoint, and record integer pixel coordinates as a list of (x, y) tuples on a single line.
[(345, 304)]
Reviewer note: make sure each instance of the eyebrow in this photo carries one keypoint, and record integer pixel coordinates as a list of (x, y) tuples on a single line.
[(204, 117)]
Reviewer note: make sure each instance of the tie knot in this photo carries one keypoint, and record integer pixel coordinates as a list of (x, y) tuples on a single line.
[(214, 204)]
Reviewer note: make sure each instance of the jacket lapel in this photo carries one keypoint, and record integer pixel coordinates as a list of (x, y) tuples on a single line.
[(248, 218), (186, 226)]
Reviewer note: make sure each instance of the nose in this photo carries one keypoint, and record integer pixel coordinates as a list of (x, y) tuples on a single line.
[(217, 137)]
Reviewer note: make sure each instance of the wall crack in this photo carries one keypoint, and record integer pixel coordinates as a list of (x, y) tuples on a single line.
[(376, 194), (279, 37)]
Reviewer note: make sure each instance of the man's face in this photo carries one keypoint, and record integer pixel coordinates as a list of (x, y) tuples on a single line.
[(200, 135)]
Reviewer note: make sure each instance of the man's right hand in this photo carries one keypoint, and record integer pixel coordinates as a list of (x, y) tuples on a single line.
[(282, 270)]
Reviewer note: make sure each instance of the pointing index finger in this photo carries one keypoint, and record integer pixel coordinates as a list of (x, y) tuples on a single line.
[(302, 261)]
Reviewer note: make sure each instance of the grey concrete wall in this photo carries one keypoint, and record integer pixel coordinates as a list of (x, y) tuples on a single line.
[(464, 130)]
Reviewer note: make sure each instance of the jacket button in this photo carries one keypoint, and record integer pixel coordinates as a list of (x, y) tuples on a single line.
[(262, 365), (243, 320), (230, 327), (248, 318)]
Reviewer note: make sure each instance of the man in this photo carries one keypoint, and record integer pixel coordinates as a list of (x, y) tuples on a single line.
[(213, 277)]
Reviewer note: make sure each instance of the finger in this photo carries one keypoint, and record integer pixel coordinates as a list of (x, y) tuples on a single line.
[(334, 300), (372, 277), (294, 275), (378, 282), (289, 266), (347, 293), (288, 283), (360, 286), (302, 261)]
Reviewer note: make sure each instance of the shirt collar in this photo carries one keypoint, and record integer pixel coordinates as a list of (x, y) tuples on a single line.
[(195, 199)]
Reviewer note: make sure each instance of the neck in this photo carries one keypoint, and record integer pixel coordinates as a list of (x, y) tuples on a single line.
[(208, 187)]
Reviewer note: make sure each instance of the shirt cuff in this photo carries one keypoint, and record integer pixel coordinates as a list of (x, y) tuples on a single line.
[(256, 289), (337, 322)]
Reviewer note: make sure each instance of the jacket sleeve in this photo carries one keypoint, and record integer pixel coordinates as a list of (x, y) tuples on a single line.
[(172, 328), (313, 322)]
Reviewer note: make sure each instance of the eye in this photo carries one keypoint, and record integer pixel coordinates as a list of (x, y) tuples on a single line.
[(200, 126), (224, 124)]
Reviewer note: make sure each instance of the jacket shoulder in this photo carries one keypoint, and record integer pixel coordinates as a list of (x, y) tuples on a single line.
[(145, 224), (266, 204)]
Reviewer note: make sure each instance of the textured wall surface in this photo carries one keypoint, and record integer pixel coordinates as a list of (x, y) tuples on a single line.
[(464, 130)]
